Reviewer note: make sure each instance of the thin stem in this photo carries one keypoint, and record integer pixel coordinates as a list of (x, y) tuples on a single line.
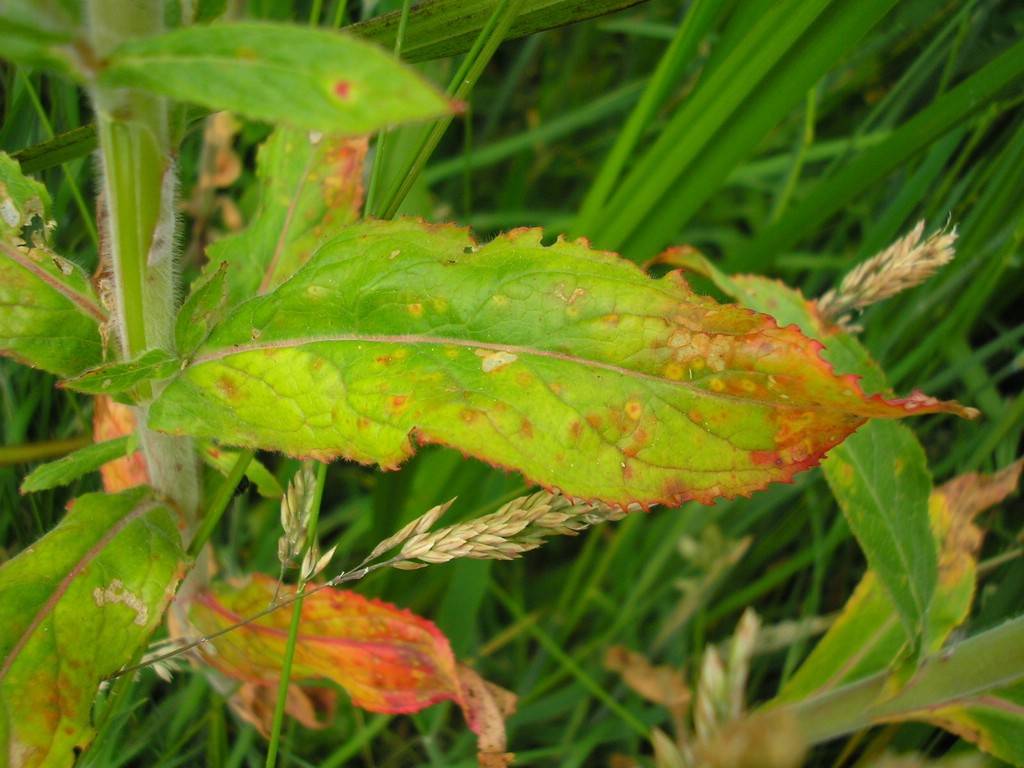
[(570, 665), (220, 502), (800, 157)]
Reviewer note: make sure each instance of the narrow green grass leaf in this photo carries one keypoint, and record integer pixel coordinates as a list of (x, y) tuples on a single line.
[(74, 608), (49, 315), (833, 193), (671, 68), (65, 470), (68, 146), (865, 640), (310, 187), (760, 79), (570, 365), (449, 27), (867, 637), (299, 76)]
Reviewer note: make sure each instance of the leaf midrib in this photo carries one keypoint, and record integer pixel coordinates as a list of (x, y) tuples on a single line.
[(415, 339)]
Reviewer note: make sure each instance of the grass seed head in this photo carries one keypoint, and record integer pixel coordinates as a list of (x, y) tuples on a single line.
[(904, 264)]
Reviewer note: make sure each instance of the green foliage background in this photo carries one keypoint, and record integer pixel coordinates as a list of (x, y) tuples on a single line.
[(800, 188)]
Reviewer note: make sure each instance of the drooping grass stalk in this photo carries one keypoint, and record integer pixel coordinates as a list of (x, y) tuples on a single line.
[(139, 180)]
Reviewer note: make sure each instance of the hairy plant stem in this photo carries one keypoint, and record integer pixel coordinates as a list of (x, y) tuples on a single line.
[(139, 184)]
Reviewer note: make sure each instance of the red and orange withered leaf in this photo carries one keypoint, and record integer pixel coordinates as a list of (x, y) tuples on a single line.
[(388, 659), (570, 365)]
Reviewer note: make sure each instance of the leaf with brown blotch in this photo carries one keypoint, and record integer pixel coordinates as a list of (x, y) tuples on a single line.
[(486, 707), (387, 659), (658, 684), (952, 510), (662, 685)]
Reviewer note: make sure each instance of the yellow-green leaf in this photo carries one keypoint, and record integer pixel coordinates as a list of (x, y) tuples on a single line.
[(570, 365)]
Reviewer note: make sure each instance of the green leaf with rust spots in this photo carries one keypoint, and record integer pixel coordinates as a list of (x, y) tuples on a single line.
[(570, 365), (69, 468), (880, 476), (118, 378), (49, 315), (311, 187), (281, 73), (74, 608), (788, 306)]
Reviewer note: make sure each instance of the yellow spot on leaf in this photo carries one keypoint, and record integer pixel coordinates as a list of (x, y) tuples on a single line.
[(717, 385), (674, 371)]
